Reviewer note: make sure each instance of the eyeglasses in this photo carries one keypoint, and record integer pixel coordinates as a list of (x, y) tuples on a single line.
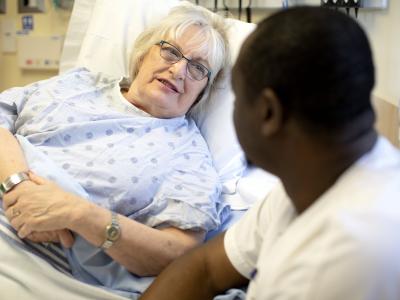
[(172, 55)]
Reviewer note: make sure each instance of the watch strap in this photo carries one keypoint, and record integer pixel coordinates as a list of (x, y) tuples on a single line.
[(114, 226), (11, 181)]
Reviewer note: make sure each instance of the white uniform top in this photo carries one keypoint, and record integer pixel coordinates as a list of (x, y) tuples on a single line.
[(345, 246)]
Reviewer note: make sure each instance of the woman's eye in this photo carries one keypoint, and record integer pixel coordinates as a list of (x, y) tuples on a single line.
[(173, 52), (198, 67)]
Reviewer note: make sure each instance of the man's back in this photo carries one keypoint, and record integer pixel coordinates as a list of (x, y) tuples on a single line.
[(345, 246)]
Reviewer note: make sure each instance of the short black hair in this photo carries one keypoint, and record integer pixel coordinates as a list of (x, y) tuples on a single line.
[(317, 60)]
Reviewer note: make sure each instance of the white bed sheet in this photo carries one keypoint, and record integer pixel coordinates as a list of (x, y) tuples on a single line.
[(25, 276)]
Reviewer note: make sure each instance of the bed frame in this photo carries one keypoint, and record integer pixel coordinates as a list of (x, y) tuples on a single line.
[(388, 120)]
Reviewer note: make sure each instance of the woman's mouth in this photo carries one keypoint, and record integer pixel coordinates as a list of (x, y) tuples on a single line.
[(169, 85)]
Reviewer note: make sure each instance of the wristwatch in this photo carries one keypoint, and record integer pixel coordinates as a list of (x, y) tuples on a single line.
[(112, 232), (11, 181)]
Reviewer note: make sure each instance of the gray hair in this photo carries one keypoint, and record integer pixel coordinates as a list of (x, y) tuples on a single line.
[(211, 41)]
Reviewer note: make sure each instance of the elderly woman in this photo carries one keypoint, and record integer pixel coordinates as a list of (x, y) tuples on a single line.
[(135, 182)]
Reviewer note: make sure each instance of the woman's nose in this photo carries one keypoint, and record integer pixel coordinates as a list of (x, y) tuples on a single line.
[(179, 69)]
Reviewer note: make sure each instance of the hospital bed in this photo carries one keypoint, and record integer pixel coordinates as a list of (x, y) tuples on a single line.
[(92, 41)]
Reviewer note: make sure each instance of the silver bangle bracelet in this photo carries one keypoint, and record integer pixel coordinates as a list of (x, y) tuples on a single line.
[(10, 182)]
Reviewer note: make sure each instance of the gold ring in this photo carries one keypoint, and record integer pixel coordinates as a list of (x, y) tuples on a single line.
[(16, 212)]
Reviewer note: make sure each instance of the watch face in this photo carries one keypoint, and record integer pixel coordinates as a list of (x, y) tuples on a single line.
[(113, 233)]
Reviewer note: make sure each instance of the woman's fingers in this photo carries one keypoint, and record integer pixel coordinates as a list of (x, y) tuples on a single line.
[(46, 236), (13, 214), (37, 179), (11, 198), (24, 231), (66, 238), (8, 202), (42, 206)]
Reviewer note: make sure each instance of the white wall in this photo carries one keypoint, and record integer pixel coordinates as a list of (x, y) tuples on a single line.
[(383, 28)]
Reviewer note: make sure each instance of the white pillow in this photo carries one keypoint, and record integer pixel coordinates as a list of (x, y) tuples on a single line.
[(100, 37)]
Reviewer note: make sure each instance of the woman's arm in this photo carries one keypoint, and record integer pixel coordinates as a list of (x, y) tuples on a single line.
[(12, 161), (142, 250)]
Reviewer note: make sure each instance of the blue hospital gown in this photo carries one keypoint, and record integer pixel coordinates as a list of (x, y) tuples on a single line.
[(156, 171)]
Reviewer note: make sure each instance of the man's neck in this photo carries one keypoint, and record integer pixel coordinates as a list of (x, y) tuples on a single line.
[(318, 167)]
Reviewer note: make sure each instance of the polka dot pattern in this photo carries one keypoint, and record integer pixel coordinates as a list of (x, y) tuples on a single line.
[(121, 161)]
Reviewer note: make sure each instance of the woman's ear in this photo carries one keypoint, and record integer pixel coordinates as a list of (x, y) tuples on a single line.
[(272, 113)]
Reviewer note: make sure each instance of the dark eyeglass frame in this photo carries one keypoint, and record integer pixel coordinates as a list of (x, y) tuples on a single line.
[(208, 74)]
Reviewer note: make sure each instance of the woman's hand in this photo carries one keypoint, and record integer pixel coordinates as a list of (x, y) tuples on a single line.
[(63, 236), (42, 207)]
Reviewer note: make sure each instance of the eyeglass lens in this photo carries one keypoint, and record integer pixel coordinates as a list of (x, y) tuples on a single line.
[(171, 54)]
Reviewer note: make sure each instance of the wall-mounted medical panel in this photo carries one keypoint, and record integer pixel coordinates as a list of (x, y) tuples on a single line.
[(234, 4), (371, 4), (230, 4), (39, 52), (3, 7), (31, 6)]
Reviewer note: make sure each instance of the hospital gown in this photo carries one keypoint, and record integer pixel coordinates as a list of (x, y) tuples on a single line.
[(156, 171)]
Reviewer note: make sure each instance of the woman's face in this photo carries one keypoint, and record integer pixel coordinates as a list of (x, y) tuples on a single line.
[(165, 90)]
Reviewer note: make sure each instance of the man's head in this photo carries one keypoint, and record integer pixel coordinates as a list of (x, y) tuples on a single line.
[(315, 62)]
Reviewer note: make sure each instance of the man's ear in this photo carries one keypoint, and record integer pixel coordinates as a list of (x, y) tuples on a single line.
[(271, 110)]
